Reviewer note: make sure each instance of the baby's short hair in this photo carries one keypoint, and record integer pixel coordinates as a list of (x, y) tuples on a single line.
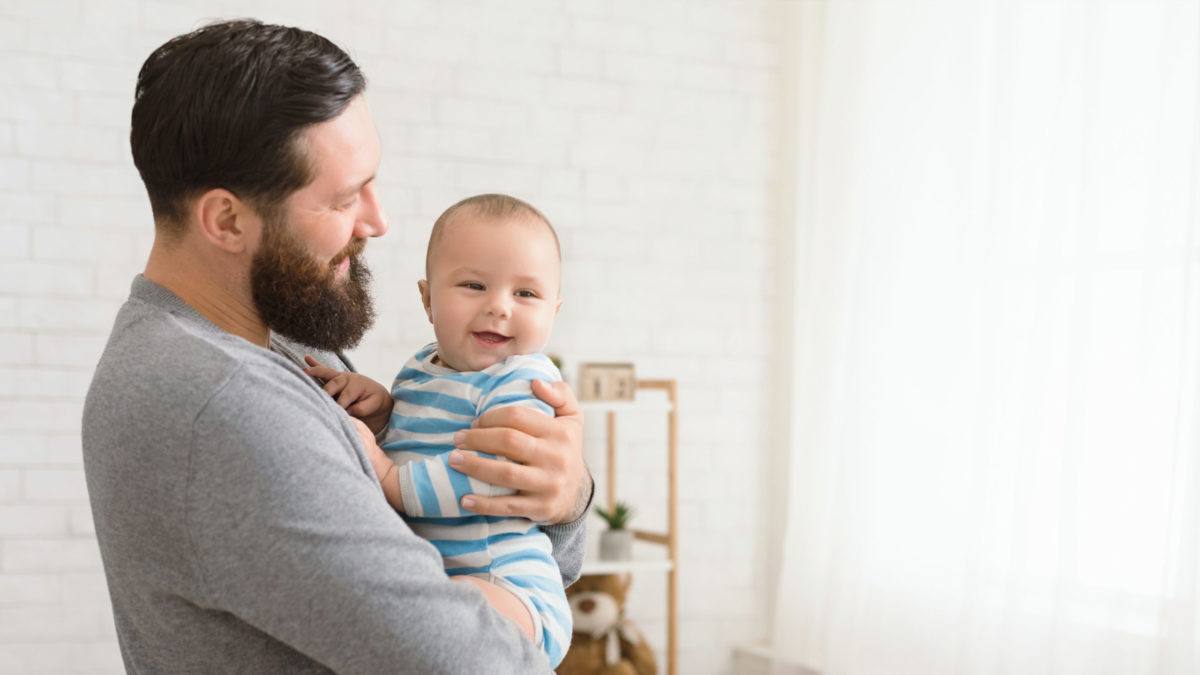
[(487, 206)]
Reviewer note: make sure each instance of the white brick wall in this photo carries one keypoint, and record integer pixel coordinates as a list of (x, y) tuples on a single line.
[(645, 129)]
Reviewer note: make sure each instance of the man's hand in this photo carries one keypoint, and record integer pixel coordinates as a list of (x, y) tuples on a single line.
[(361, 396), (547, 469)]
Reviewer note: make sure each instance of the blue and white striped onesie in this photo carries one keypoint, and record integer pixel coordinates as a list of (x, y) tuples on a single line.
[(432, 403)]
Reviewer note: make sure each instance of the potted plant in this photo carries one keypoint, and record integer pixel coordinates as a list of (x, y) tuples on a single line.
[(616, 543)]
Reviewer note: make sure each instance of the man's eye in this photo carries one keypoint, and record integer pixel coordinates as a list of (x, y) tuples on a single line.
[(348, 205)]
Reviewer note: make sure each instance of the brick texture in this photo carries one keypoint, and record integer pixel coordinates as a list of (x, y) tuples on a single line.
[(644, 130)]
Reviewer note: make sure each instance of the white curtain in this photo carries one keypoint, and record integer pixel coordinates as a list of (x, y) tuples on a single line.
[(994, 460)]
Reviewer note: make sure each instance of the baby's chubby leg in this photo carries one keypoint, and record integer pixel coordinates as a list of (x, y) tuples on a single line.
[(502, 600)]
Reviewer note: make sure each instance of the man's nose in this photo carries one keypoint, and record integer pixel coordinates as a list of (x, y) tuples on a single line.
[(372, 221)]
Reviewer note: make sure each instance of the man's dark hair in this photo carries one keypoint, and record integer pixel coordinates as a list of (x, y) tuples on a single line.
[(225, 106)]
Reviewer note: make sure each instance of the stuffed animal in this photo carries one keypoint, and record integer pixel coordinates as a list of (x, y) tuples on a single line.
[(604, 642)]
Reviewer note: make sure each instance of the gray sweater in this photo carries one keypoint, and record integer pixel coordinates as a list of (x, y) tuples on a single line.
[(241, 525)]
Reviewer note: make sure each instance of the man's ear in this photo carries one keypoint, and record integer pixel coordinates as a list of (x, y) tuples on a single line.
[(423, 286), (225, 221)]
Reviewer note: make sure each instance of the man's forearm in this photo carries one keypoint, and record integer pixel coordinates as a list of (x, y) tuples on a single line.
[(584, 498)]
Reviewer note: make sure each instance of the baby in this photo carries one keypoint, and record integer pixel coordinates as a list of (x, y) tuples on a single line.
[(493, 274)]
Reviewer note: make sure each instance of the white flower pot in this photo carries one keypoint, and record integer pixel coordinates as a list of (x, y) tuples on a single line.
[(616, 545)]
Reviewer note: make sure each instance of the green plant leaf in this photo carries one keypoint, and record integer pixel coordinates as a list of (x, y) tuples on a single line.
[(618, 517)]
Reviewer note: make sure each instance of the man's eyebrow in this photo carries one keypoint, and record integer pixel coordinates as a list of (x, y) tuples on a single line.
[(349, 192)]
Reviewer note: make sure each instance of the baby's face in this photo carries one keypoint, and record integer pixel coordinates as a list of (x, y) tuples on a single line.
[(492, 291)]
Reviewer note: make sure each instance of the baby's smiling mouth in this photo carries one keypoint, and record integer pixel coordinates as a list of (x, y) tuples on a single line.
[(490, 339)]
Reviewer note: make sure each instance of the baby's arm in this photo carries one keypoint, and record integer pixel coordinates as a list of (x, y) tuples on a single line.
[(386, 471), (434, 487), (370, 407), (361, 396)]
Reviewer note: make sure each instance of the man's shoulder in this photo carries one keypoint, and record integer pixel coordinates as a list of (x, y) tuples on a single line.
[(168, 366), (151, 347)]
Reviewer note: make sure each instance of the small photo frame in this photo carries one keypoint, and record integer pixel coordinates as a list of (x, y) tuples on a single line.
[(606, 382)]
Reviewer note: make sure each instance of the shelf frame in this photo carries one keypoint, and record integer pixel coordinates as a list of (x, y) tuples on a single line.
[(670, 538)]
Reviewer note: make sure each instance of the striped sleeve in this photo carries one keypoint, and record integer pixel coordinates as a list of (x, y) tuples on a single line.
[(511, 383), (430, 488), (429, 409)]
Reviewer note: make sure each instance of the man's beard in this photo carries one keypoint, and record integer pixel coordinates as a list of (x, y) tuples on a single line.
[(301, 298)]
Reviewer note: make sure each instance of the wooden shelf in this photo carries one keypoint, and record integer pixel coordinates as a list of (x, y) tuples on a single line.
[(647, 405), (662, 405)]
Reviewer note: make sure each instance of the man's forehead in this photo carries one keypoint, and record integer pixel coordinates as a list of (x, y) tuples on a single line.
[(344, 150)]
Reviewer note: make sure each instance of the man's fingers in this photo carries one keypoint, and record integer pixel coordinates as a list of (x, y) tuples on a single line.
[(514, 505), (552, 394), (557, 395), (504, 441), (549, 472), (497, 471), (524, 425)]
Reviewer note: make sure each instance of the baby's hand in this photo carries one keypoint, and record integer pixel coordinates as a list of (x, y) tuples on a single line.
[(361, 396)]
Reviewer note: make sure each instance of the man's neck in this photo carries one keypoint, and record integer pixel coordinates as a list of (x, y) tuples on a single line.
[(216, 295)]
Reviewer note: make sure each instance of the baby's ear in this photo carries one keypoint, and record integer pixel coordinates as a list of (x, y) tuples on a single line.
[(423, 286)]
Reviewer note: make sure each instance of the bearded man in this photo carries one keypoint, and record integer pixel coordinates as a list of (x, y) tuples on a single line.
[(238, 513)]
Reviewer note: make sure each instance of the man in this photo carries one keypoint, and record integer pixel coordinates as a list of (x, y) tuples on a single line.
[(238, 513)]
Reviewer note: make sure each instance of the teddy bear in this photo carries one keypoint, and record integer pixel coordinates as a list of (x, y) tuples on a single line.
[(604, 641)]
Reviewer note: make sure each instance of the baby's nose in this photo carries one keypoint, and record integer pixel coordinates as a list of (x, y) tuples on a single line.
[(501, 304)]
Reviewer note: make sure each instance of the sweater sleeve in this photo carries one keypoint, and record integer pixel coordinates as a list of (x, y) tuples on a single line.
[(569, 542), (292, 535)]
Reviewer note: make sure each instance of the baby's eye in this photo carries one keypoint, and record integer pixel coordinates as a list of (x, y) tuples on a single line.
[(526, 294), (474, 286)]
